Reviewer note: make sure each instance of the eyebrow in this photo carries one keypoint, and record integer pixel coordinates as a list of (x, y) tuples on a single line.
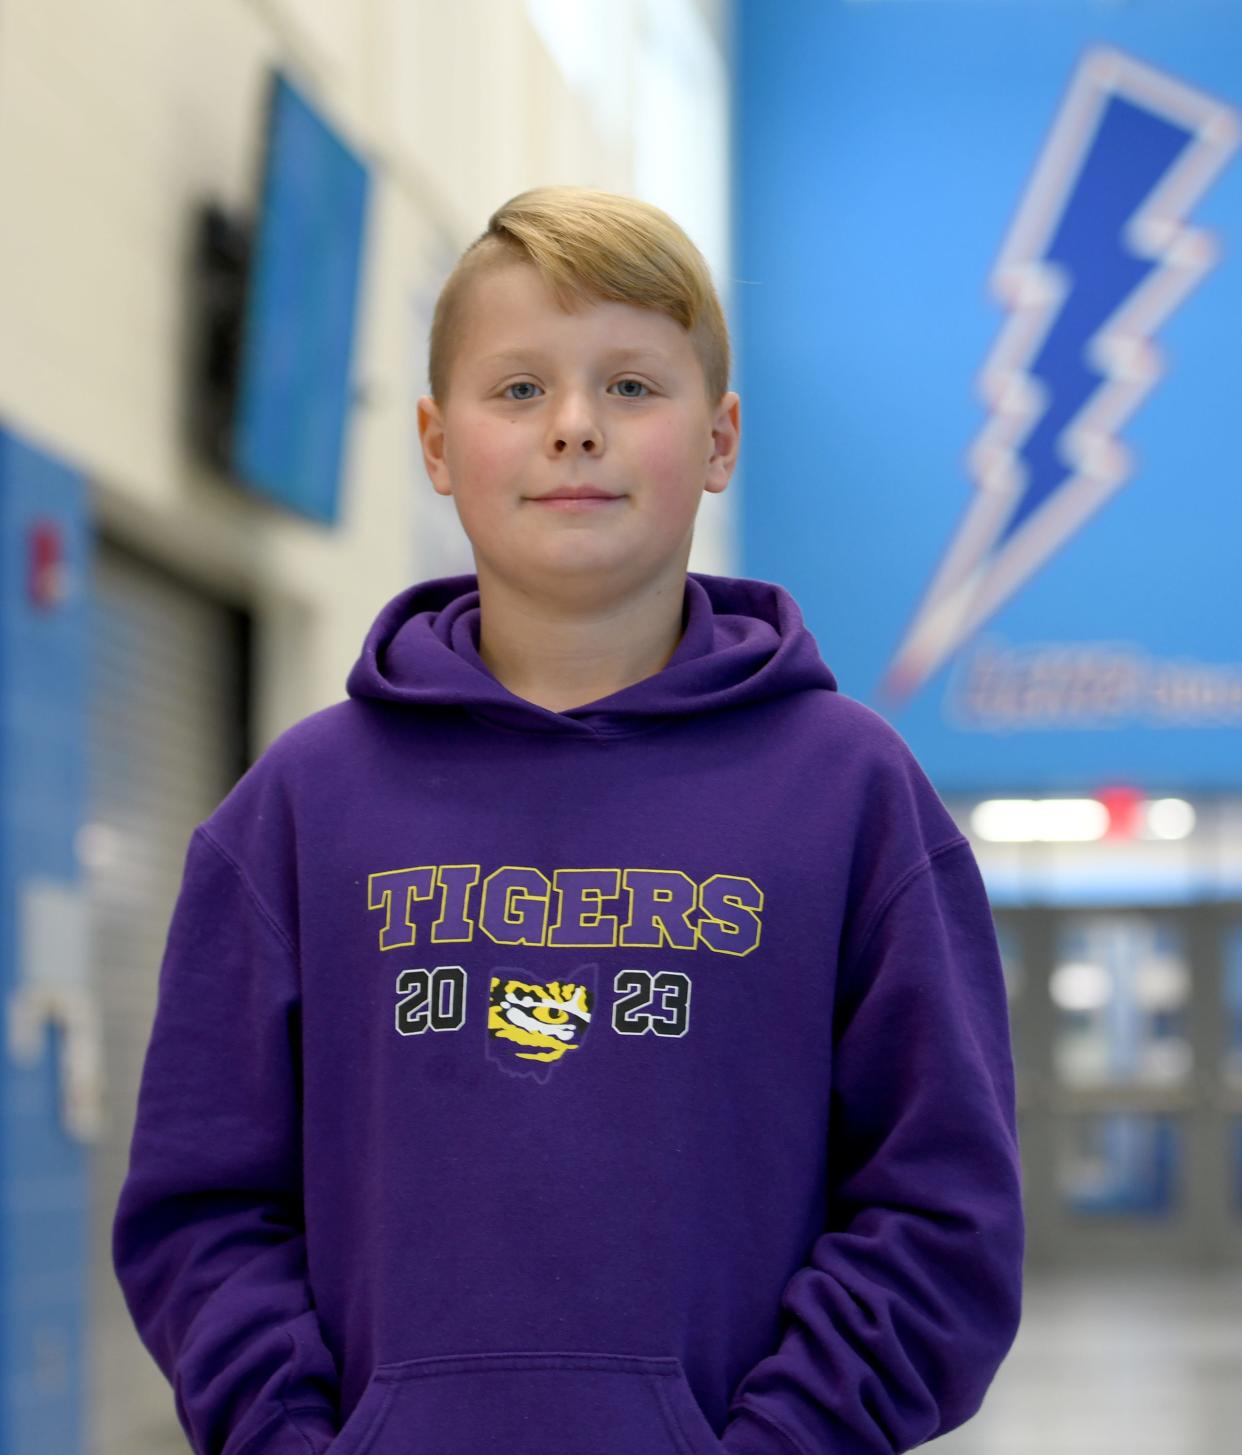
[(620, 355)]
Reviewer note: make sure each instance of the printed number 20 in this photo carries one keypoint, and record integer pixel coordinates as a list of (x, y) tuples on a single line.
[(424, 1006)]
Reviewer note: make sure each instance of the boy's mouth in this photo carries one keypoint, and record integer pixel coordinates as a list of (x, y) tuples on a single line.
[(577, 492), (576, 503), (575, 499)]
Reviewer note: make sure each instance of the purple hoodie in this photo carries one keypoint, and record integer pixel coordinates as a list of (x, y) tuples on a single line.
[(630, 1080)]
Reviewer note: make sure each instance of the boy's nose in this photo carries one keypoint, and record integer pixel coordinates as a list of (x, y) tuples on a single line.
[(575, 425)]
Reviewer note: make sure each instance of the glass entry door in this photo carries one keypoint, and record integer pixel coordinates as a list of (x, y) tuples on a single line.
[(1127, 1027)]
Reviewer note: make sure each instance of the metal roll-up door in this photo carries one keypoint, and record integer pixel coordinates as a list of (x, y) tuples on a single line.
[(168, 708)]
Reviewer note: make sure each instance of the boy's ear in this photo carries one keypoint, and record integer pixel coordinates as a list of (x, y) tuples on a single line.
[(431, 437), (726, 436)]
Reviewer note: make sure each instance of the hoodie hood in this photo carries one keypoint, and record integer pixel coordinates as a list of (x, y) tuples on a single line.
[(742, 642)]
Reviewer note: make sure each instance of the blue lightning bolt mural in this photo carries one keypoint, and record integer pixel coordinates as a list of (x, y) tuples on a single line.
[(1097, 257)]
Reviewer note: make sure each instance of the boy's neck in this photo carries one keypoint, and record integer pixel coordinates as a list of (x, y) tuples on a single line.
[(560, 653)]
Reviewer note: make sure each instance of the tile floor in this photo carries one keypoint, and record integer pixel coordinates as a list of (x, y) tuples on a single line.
[(1125, 1363)]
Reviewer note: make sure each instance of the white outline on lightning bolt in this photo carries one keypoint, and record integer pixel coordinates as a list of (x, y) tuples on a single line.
[(971, 583)]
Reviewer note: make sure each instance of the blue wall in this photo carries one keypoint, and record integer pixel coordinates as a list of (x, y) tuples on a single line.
[(883, 152), (44, 974)]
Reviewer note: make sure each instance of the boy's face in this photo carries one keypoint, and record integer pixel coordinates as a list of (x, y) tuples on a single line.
[(611, 396)]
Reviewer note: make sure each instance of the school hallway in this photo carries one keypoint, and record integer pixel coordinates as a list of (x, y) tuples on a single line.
[(1118, 1361), (1104, 1364)]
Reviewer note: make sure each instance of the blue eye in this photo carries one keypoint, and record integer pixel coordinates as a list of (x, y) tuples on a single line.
[(521, 384), (640, 384)]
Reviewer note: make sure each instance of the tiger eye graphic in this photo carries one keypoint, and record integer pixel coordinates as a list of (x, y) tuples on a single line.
[(537, 1021)]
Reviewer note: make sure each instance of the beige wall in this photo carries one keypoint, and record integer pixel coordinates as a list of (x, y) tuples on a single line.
[(118, 117)]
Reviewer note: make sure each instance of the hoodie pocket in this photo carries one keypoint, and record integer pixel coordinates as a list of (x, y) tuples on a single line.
[(528, 1404)]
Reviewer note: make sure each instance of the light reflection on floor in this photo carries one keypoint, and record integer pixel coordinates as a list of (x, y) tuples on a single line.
[(1124, 1363)]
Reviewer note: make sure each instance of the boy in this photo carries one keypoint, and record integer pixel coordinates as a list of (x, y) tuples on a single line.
[(589, 1037)]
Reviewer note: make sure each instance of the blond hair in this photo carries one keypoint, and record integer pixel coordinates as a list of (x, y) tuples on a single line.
[(589, 245)]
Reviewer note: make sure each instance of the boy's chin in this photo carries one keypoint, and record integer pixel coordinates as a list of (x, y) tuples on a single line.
[(565, 574)]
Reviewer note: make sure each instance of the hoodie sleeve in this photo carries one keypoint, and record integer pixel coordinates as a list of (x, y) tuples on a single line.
[(911, 1298), (208, 1240)]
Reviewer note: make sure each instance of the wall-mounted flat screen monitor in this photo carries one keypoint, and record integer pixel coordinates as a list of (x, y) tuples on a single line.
[(295, 387)]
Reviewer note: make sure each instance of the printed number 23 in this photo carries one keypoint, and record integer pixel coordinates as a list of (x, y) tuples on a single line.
[(668, 990)]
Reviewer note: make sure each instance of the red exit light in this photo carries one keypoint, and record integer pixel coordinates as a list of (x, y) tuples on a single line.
[(1125, 811)]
